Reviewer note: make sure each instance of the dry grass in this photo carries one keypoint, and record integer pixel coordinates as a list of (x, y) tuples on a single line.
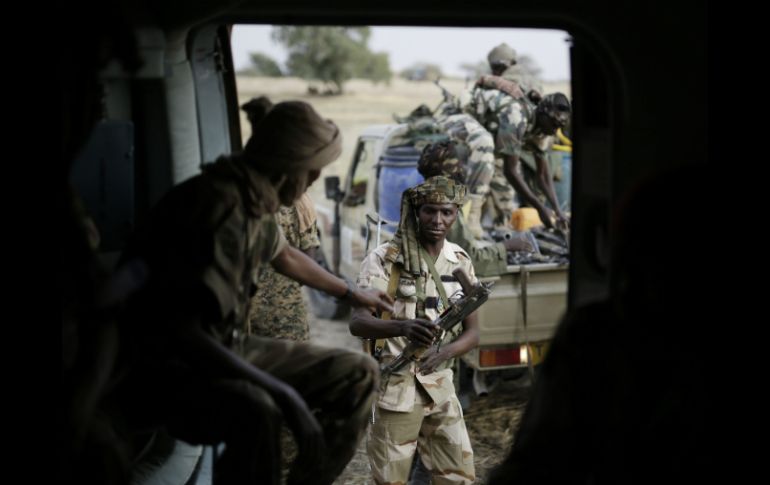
[(362, 104)]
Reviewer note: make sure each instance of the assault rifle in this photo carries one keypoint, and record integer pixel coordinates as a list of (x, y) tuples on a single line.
[(473, 297)]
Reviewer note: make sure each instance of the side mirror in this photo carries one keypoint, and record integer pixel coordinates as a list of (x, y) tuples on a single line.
[(332, 188)]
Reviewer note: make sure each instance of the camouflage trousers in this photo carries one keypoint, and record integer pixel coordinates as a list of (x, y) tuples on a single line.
[(501, 195), (463, 129), (339, 385), (437, 430)]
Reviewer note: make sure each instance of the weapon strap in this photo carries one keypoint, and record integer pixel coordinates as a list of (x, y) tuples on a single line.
[(436, 278), (395, 275)]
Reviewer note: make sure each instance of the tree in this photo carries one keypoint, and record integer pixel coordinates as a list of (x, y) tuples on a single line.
[(264, 65), (377, 68), (331, 54), (473, 71), (422, 71), (529, 66)]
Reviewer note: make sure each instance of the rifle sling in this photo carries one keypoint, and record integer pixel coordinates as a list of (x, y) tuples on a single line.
[(436, 278), (395, 275)]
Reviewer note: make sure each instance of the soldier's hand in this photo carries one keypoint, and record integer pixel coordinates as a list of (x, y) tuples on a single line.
[(418, 330), (307, 432), (562, 224), (372, 299), (431, 359)]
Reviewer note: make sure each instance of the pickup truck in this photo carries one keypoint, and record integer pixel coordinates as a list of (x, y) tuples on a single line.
[(527, 301)]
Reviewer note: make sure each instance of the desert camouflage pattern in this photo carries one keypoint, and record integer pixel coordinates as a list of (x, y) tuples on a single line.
[(415, 408), (437, 430)]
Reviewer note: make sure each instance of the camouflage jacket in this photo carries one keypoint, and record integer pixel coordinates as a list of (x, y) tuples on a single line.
[(278, 308), (202, 244), (401, 392), (510, 120)]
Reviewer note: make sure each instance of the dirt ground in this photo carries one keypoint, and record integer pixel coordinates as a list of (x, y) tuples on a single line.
[(491, 420)]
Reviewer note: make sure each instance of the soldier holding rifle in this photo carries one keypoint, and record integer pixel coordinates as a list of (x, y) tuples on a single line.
[(418, 407)]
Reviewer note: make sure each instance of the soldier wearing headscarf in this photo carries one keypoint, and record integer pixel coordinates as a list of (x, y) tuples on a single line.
[(418, 409), (278, 309), (195, 371)]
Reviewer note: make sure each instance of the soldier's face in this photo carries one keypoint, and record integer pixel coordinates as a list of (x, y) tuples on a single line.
[(435, 221)]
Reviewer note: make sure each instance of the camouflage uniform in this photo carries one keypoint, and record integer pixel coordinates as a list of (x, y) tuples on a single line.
[(521, 77), (278, 308), (465, 131), (493, 108), (203, 243), (417, 410), (511, 121)]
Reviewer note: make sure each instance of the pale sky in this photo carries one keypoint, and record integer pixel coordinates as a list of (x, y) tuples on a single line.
[(446, 46)]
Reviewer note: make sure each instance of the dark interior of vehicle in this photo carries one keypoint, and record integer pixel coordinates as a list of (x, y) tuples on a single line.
[(149, 96)]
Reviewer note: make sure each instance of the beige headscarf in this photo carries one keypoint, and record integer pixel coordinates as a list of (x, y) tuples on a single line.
[(293, 136)]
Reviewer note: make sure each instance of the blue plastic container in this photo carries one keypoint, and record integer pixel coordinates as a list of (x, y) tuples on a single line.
[(397, 172)]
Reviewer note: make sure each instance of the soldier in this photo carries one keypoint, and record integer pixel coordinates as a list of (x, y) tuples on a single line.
[(503, 62), (518, 125), (278, 310), (419, 407), (501, 58), (193, 370), (475, 145), (491, 260)]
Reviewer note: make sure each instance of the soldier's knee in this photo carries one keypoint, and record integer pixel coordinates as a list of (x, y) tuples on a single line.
[(364, 367), (258, 407)]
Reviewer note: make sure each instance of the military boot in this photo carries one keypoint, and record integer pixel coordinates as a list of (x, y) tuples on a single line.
[(474, 216)]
